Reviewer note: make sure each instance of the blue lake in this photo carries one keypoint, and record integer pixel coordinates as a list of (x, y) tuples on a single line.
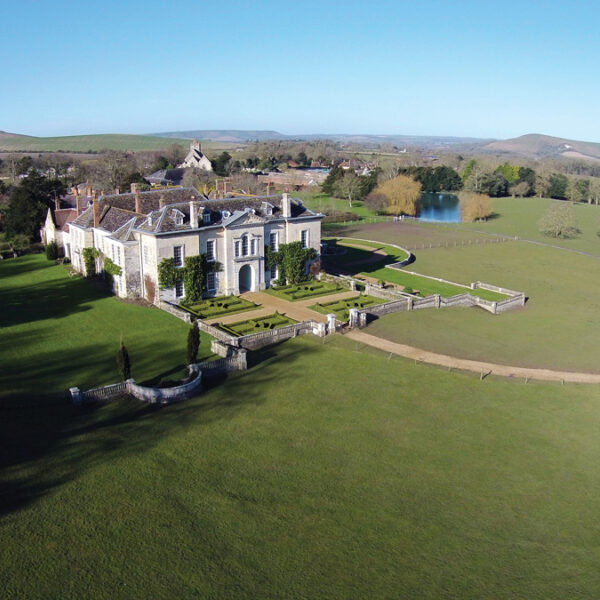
[(439, 207)]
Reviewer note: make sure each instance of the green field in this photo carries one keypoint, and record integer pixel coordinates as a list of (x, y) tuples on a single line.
[(558, 328), (66, 332), (521, 216), (257, 325), (301, 478), (210, 308), (97, 143)]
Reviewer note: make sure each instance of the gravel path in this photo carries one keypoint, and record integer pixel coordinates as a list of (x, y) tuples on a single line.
[(476, 366)]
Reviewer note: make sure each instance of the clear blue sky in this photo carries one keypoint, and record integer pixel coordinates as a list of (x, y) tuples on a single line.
[(465, 68)]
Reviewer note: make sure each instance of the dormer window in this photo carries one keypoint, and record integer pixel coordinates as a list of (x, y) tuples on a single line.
[(267, 208), (178, 217), (150, 219), (206, 218), (225, 214)]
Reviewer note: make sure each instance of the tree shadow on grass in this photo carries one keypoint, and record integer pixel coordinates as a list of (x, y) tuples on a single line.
[(45, 300), (47, 442)]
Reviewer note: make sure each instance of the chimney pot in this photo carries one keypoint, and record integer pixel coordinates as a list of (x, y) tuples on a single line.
[(286, 206), (96, 209), (193, 214), (78, 204)]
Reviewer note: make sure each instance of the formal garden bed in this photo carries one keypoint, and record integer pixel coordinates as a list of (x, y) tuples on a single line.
[(341, 308), (208, 308), (258, 325), (302, 291)]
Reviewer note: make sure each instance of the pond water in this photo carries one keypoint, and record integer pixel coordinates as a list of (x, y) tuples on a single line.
[(440, 207)]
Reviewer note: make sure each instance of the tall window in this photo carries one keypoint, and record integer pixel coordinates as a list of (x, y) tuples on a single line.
[(118, 255), (237, 248), (178, 256), (274, 272), (179, 288), (210, 250), (211, 281), (252, 246), (245, 245), (304, 238), (273, 241), (146, 255)]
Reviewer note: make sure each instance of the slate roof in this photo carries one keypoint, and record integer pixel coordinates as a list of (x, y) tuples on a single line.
[(166, 176), (164, 220), (119, 210), (62, 217)]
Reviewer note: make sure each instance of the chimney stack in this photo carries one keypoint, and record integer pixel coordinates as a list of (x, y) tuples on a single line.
[(117, 191), (138, 201), (162, 202), (78, 203), (88, 191), (96, 209), (56, 204), (193, 213), (286, 206), (134, 187)]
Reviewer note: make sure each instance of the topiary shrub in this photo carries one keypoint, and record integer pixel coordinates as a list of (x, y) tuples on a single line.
[(52, 251), (123, 362)]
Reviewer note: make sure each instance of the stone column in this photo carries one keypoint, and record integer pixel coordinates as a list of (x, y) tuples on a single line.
[(331, 323), (354, 318), (76, 396), (362, 320)]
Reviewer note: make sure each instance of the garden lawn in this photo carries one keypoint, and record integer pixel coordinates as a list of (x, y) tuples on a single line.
[(341, 308), (210, 308), (521, 216), (558, 328), (64, 332), (302, 291), (426, 286), (325, 471), (258, 325)]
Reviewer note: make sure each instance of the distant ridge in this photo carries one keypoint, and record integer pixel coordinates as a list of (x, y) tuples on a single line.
[(538, 146), (244, 136)]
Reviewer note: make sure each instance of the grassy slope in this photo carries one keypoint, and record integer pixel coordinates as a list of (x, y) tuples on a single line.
[(521, 216), (302, 478), (411, 483), (50, 321), (83, 143), (558, 328)]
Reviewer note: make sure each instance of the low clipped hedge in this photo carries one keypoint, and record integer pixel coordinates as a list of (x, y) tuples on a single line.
[(220, 305)]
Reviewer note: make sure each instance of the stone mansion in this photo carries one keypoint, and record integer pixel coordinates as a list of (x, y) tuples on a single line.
[(138, 230)]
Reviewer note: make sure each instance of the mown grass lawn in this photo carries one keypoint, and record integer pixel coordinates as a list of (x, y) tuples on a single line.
[(52, 325), (558, 328), (325, 471)]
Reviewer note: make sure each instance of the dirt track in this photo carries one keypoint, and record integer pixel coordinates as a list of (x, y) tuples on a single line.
[(484, 368)]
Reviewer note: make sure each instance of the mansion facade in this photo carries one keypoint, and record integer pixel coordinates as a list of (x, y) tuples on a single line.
[(139, 229)]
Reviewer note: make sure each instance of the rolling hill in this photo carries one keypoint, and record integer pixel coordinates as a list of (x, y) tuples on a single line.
[(12, 142), (537, 146)]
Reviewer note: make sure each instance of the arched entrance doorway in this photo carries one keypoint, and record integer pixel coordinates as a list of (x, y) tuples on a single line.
[(245, 279)]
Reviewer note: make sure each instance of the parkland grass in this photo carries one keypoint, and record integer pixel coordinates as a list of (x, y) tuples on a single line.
[(325, 471), (209, 308), (100, 142)]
